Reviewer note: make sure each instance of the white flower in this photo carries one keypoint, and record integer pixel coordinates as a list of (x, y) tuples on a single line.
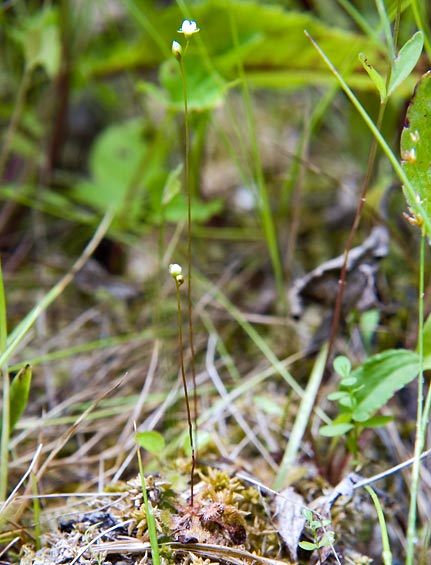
[(188, 28), (177, 49), (175, 270)]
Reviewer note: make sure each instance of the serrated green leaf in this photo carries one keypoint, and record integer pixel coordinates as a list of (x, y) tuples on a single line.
[(342, 366), (406, 61), (334, 430), (375, 76), (19, 393), (152, 441), (380, 377), (416, 147)]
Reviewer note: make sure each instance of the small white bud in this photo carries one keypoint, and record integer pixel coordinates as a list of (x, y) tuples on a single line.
[(188, 28), (177, 49)]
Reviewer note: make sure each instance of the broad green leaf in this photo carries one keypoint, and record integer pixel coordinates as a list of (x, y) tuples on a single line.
[(114, 162), (376, 77), (416, 147), (19, 392), (152, 441), (334, 430), (380, 377), (342, 366), (406, 61)]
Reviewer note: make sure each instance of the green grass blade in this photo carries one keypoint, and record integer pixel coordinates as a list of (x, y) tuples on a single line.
[(386, 550), (151, 522), (19, 392), (302, 418)]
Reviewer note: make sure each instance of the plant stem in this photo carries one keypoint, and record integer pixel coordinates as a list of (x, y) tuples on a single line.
[(4, 441), (186, 394), (189, 258), (421, 417), (352, 234)]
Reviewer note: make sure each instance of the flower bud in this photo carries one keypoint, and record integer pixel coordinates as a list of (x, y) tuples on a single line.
[(177, 50)]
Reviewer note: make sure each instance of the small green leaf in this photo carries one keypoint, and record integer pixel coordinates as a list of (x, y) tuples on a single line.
[(334, 430), (347, 402), (327, 539), (19, 392), (406, 61), (337, 395), (307, 545), (377, 421), (374, 76), (152, 441), (348, 381), (307, 514), (342, 366), (380, 377)]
